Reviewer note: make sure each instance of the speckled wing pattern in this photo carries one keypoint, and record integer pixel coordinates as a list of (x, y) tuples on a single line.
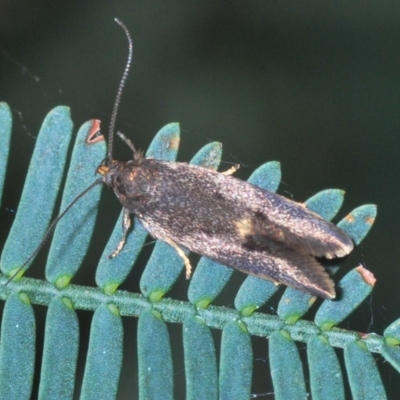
[(235, 223)]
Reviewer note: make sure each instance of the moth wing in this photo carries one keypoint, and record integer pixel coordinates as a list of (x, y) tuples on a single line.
[(298, 228), (305, 273), (283, 265)]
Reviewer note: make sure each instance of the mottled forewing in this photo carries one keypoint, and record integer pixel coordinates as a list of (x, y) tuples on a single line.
[(239, 225)]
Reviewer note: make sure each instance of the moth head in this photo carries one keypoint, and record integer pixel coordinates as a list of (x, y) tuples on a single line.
[(108, 170)]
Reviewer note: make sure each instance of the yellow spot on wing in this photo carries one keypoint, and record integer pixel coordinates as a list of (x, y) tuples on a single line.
[(244, 227)]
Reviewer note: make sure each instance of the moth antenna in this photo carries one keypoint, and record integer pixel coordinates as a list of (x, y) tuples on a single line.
[(50, 229), (119, 91)]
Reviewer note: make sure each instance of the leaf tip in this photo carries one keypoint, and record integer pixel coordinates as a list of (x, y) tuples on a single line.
[(366, 275)]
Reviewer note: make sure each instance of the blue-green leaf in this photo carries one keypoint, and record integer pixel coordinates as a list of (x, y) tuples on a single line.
[(60, 351), (200, 360), (40, 190), (17, 348), (355, 287), (5, 137), (286, 368), (104, 357), (73, 232), (324, 367), (154, 357), (236, 365), (364, 378)]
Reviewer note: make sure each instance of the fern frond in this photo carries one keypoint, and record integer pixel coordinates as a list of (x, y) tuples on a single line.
[(204, 379)]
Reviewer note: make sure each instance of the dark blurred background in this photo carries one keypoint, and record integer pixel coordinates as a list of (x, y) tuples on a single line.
[(316, 87)]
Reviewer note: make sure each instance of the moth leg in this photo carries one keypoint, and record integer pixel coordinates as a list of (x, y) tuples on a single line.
[(231, 170), (181, 253), (126, 224)]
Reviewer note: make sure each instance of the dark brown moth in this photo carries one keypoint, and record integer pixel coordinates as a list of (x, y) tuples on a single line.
[(223, 218), (228, 220)]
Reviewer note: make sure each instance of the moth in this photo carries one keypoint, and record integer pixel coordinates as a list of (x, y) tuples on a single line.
[(225, 219), (221, 217)]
